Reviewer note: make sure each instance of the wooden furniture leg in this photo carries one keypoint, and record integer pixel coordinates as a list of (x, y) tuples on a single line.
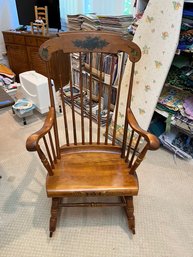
[(54, 213), (130, 213)]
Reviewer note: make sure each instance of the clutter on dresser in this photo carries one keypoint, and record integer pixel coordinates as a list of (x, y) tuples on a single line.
[(41, 20)]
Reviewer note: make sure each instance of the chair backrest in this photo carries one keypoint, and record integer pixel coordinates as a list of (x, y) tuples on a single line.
[(95, 67), (41, 12), (41, 20)]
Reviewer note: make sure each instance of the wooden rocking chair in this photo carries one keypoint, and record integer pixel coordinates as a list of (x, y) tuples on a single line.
[(86, 158)]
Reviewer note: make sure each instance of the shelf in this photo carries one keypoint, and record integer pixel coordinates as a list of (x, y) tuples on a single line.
[(95, 72), (162, 113), (181, 59), (96, 75)]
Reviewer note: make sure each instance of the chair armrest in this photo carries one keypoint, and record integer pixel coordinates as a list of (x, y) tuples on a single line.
[(152, 140), (32, 141)]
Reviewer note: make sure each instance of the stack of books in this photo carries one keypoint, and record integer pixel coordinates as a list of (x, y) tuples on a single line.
[(73, 22), (83, 22), (118, 24), (90, 22)]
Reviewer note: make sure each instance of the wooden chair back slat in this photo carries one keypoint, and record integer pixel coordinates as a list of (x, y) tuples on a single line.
[(109, 98), (52, 104), (64, 113), (99, 96), (90, 97), (118, 97), (81, 98), (73, 108), (128, 105), (139, 159), (52, 147), (130, 85), (124, 142), (62, 82), (134, 151), (45, 161), (129, 146), (48, 152)]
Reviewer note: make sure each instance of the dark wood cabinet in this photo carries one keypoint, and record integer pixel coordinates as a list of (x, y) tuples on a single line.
[(23, 55), (22, 50), (36, 62), (18, 58)]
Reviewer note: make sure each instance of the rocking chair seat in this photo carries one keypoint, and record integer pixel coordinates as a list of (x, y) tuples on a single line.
[(91, 173)]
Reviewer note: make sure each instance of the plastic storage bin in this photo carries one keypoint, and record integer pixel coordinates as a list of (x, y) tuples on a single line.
[(34, 87)]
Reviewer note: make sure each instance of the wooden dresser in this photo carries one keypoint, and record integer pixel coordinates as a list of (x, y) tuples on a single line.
[(22, 51)]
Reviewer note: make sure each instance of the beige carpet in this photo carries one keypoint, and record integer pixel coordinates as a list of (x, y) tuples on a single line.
[(163, 209)]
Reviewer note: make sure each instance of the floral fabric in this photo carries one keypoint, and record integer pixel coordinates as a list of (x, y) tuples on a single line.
[(157, 35)]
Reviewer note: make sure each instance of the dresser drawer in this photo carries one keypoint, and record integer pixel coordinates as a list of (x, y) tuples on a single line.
[(8, 38), (31, 41), (19, 39), (40, 41)]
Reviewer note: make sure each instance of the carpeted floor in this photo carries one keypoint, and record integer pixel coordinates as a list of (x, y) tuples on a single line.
[(163, 209)]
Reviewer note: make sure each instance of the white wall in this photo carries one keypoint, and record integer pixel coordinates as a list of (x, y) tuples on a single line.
[(8, 19), (108, 7), (105, 7)]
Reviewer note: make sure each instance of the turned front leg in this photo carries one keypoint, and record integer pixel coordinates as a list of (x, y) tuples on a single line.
[(54, 214), (130, 213)]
